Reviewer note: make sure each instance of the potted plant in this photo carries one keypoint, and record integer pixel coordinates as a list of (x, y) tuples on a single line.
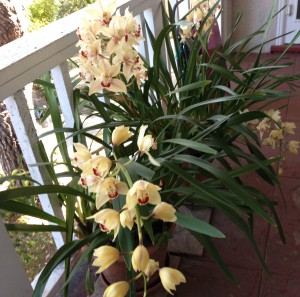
[(160, 127)]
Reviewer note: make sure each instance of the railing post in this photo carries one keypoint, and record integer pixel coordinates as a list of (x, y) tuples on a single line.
[(13, 281), (64, 90), (27, 137)]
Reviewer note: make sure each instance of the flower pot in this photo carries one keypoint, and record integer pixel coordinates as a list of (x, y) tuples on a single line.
[(117, 271)]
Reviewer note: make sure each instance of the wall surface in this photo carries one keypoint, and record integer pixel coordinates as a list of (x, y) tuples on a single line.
[(255, 13)]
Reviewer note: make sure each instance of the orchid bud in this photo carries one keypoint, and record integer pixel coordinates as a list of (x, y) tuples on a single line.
[(140, 258), (120, 135)]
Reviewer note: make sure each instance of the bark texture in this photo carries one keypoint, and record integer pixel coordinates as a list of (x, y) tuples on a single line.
[(10, 152), (10, 27), (11, 155)]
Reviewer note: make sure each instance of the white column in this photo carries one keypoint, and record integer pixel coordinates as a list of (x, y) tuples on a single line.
[(28, 140), (64, 90), (13, 281)]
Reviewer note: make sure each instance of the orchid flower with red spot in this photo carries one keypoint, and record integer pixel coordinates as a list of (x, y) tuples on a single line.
[(108, 189), (143, 192), (105, 78), (108, 219)]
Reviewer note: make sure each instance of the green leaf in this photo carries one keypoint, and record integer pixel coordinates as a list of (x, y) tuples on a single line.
[(64, 252), (125, 240), (25, 209), (141, 170), (34, 228), (229, 182), (48, 189), (193, 145), (191, 86), (197, 225)]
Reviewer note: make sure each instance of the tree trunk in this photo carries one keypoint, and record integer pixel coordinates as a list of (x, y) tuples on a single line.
[(10, 156), (10, 27)]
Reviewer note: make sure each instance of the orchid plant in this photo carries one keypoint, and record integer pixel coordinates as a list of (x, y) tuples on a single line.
[(101, 177), (158, 128)]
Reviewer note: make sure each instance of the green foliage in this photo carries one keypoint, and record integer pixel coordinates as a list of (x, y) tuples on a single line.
[(43, 12)]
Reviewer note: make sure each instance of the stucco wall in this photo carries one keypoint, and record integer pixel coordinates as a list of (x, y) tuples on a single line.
[(255, 13)]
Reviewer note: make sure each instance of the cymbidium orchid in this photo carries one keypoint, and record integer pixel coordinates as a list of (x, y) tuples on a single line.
[(101, 11), (105, 257), (201, 10), (151, 268), (106, 78), (293, 146), (108, 189), (145, 143), (120, 135), (128, 57), (118, 289), (127, 217), (140, 258), (106, 42), (101, 166), (165, 212), (170, 278), (109, 220), (143, 192), (82, 155)]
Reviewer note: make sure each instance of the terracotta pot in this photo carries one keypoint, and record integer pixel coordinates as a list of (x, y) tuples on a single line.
[(117, 271)]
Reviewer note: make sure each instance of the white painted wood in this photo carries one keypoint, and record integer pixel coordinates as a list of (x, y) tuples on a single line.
[(64, 90), (27, 137), (148, 16), (280, 22), (25, 59), (13, 281), (287, 21), (292, 22)]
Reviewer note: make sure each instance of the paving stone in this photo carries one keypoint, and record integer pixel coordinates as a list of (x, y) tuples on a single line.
[(182, 242)]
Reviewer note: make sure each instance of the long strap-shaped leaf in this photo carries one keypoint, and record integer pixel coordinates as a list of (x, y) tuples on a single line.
[(48, 189), (64, 252)]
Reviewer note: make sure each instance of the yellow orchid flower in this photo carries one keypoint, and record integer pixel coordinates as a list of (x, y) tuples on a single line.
[(127, 217), (118, 289), (151, 268), (101, 166), (293, 146), (140, 258), (170, 277), (142, 192), (145, 143), (105, 257), (105, 78), (165, 212), (289, 127), (82, 155), (108, 189), (120, 135), (109, 220)]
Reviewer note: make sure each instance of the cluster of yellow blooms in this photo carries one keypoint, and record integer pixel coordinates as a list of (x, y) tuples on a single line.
[(100, 176), (276, 131), (106, 41), (204, 9)]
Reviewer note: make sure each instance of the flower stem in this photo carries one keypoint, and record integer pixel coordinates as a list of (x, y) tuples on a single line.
[(145, 285)]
